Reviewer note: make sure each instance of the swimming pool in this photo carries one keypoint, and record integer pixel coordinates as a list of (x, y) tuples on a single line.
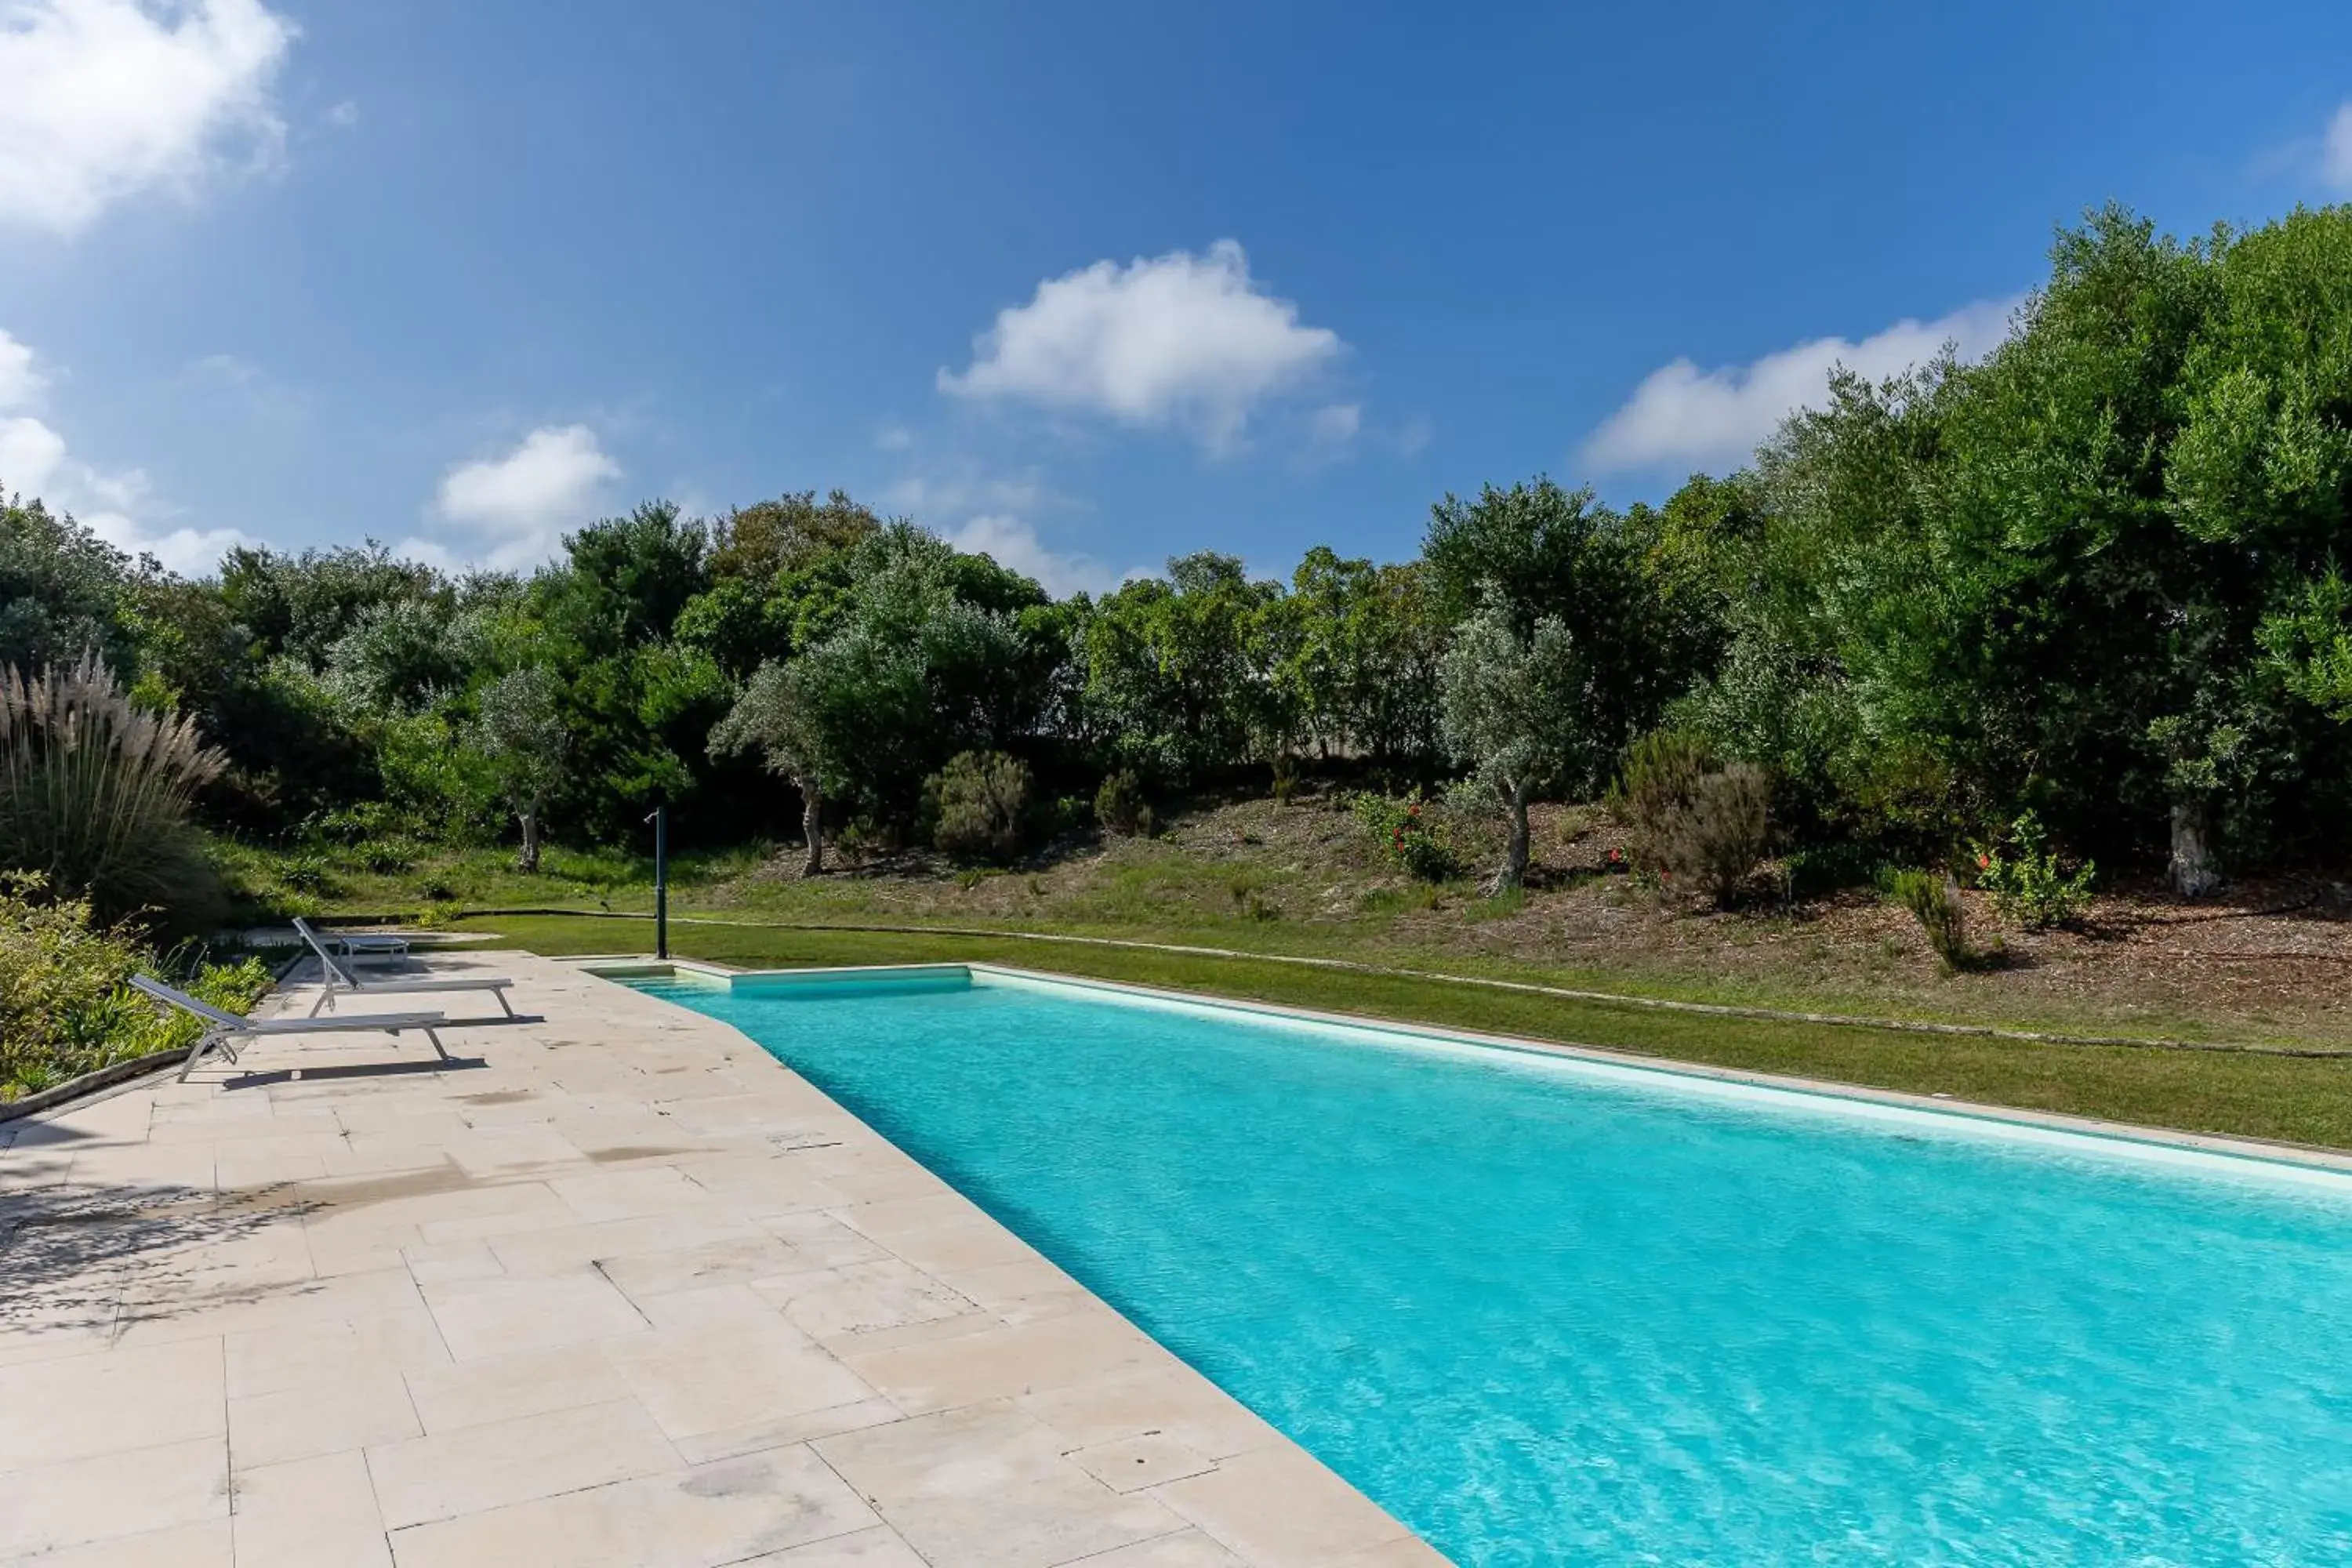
[(1546, 1311)]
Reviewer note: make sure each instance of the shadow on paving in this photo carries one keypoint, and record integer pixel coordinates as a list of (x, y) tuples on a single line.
[(71, 1256), (355, 1070)]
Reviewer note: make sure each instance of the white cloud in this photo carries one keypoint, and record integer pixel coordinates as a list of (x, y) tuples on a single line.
[(20, 380), (31, 456), (1185, 340), (1013, 544), (522, 502), (967, 490), (101, 98), (190, 551), (1681, 413), (346, 113), (893, 438), (118, 506), (1337, 423), (2335, 151)]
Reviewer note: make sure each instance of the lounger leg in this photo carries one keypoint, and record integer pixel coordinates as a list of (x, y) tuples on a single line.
[(195, 1051), (501, 995), (322, 1002), (436, 1038)]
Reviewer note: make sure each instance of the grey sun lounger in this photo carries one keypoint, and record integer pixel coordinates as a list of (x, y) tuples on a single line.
[(340, 977), (222, 1027), (356, 945)]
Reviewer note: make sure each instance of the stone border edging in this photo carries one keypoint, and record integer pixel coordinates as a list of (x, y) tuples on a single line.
[(1609, 998), (90, 1082)]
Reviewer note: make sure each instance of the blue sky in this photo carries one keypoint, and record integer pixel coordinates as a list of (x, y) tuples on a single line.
[(1085, 285)]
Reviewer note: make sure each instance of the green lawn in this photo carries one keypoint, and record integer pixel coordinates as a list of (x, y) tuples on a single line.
[(2299, 1099), (1279, 897)]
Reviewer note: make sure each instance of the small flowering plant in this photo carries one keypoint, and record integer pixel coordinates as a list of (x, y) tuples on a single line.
[(2027, 882), (1409, 835)]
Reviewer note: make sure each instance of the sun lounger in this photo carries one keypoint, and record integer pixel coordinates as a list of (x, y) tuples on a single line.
[(356, 945), (341, 977), (222, 1027)]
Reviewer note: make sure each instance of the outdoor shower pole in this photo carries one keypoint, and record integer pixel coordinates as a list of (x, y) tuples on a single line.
[(661, 882)]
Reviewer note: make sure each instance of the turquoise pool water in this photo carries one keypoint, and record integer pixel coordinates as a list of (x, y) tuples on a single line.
[(1546, 1315)]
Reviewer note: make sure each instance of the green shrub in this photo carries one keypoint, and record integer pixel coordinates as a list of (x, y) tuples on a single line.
[(1687, 815), (66, 1004), (440, 914), (306, 873), (2025, 880), (1832, 868), (1934, 903), (57, 969), (1405, 832), (1120, 806), (388, 858), (95, 794), (1250, 901), (982, 799), (1286, 778)]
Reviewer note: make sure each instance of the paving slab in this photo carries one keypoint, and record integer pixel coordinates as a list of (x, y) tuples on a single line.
[(616, 1290)]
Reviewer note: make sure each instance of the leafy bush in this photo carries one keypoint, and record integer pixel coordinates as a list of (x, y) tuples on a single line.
[(1120, 806), (1689, 815), (2026, 882), (65, 1004), (1250, 901), (306, 873), (1934, 903), (96, 793), (1286, 778), (386, 860), (983, 802), (1406, 834), (1832, 868), (440, 914)]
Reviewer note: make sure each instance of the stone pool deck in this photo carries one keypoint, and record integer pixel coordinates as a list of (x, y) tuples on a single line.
[(618, 1290)]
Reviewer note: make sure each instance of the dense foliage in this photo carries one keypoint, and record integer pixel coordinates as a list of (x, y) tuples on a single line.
[(2095, 575), (65, 1004), (2098, 577)]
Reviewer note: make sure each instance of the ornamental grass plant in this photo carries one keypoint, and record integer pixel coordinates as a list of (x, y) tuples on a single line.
[(96, 796)]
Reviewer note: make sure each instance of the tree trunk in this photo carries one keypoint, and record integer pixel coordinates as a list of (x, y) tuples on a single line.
[(813, 828), (530, 840), (1513, 873), (2191, 872)]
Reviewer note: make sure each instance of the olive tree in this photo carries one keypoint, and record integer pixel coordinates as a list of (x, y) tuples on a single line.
[(521, 735), (1518, 713), (774, 717)]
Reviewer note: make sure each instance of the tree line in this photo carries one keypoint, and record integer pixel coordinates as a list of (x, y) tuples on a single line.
[(2095, 577)]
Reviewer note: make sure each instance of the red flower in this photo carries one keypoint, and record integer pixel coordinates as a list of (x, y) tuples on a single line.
[(1984, 862)]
